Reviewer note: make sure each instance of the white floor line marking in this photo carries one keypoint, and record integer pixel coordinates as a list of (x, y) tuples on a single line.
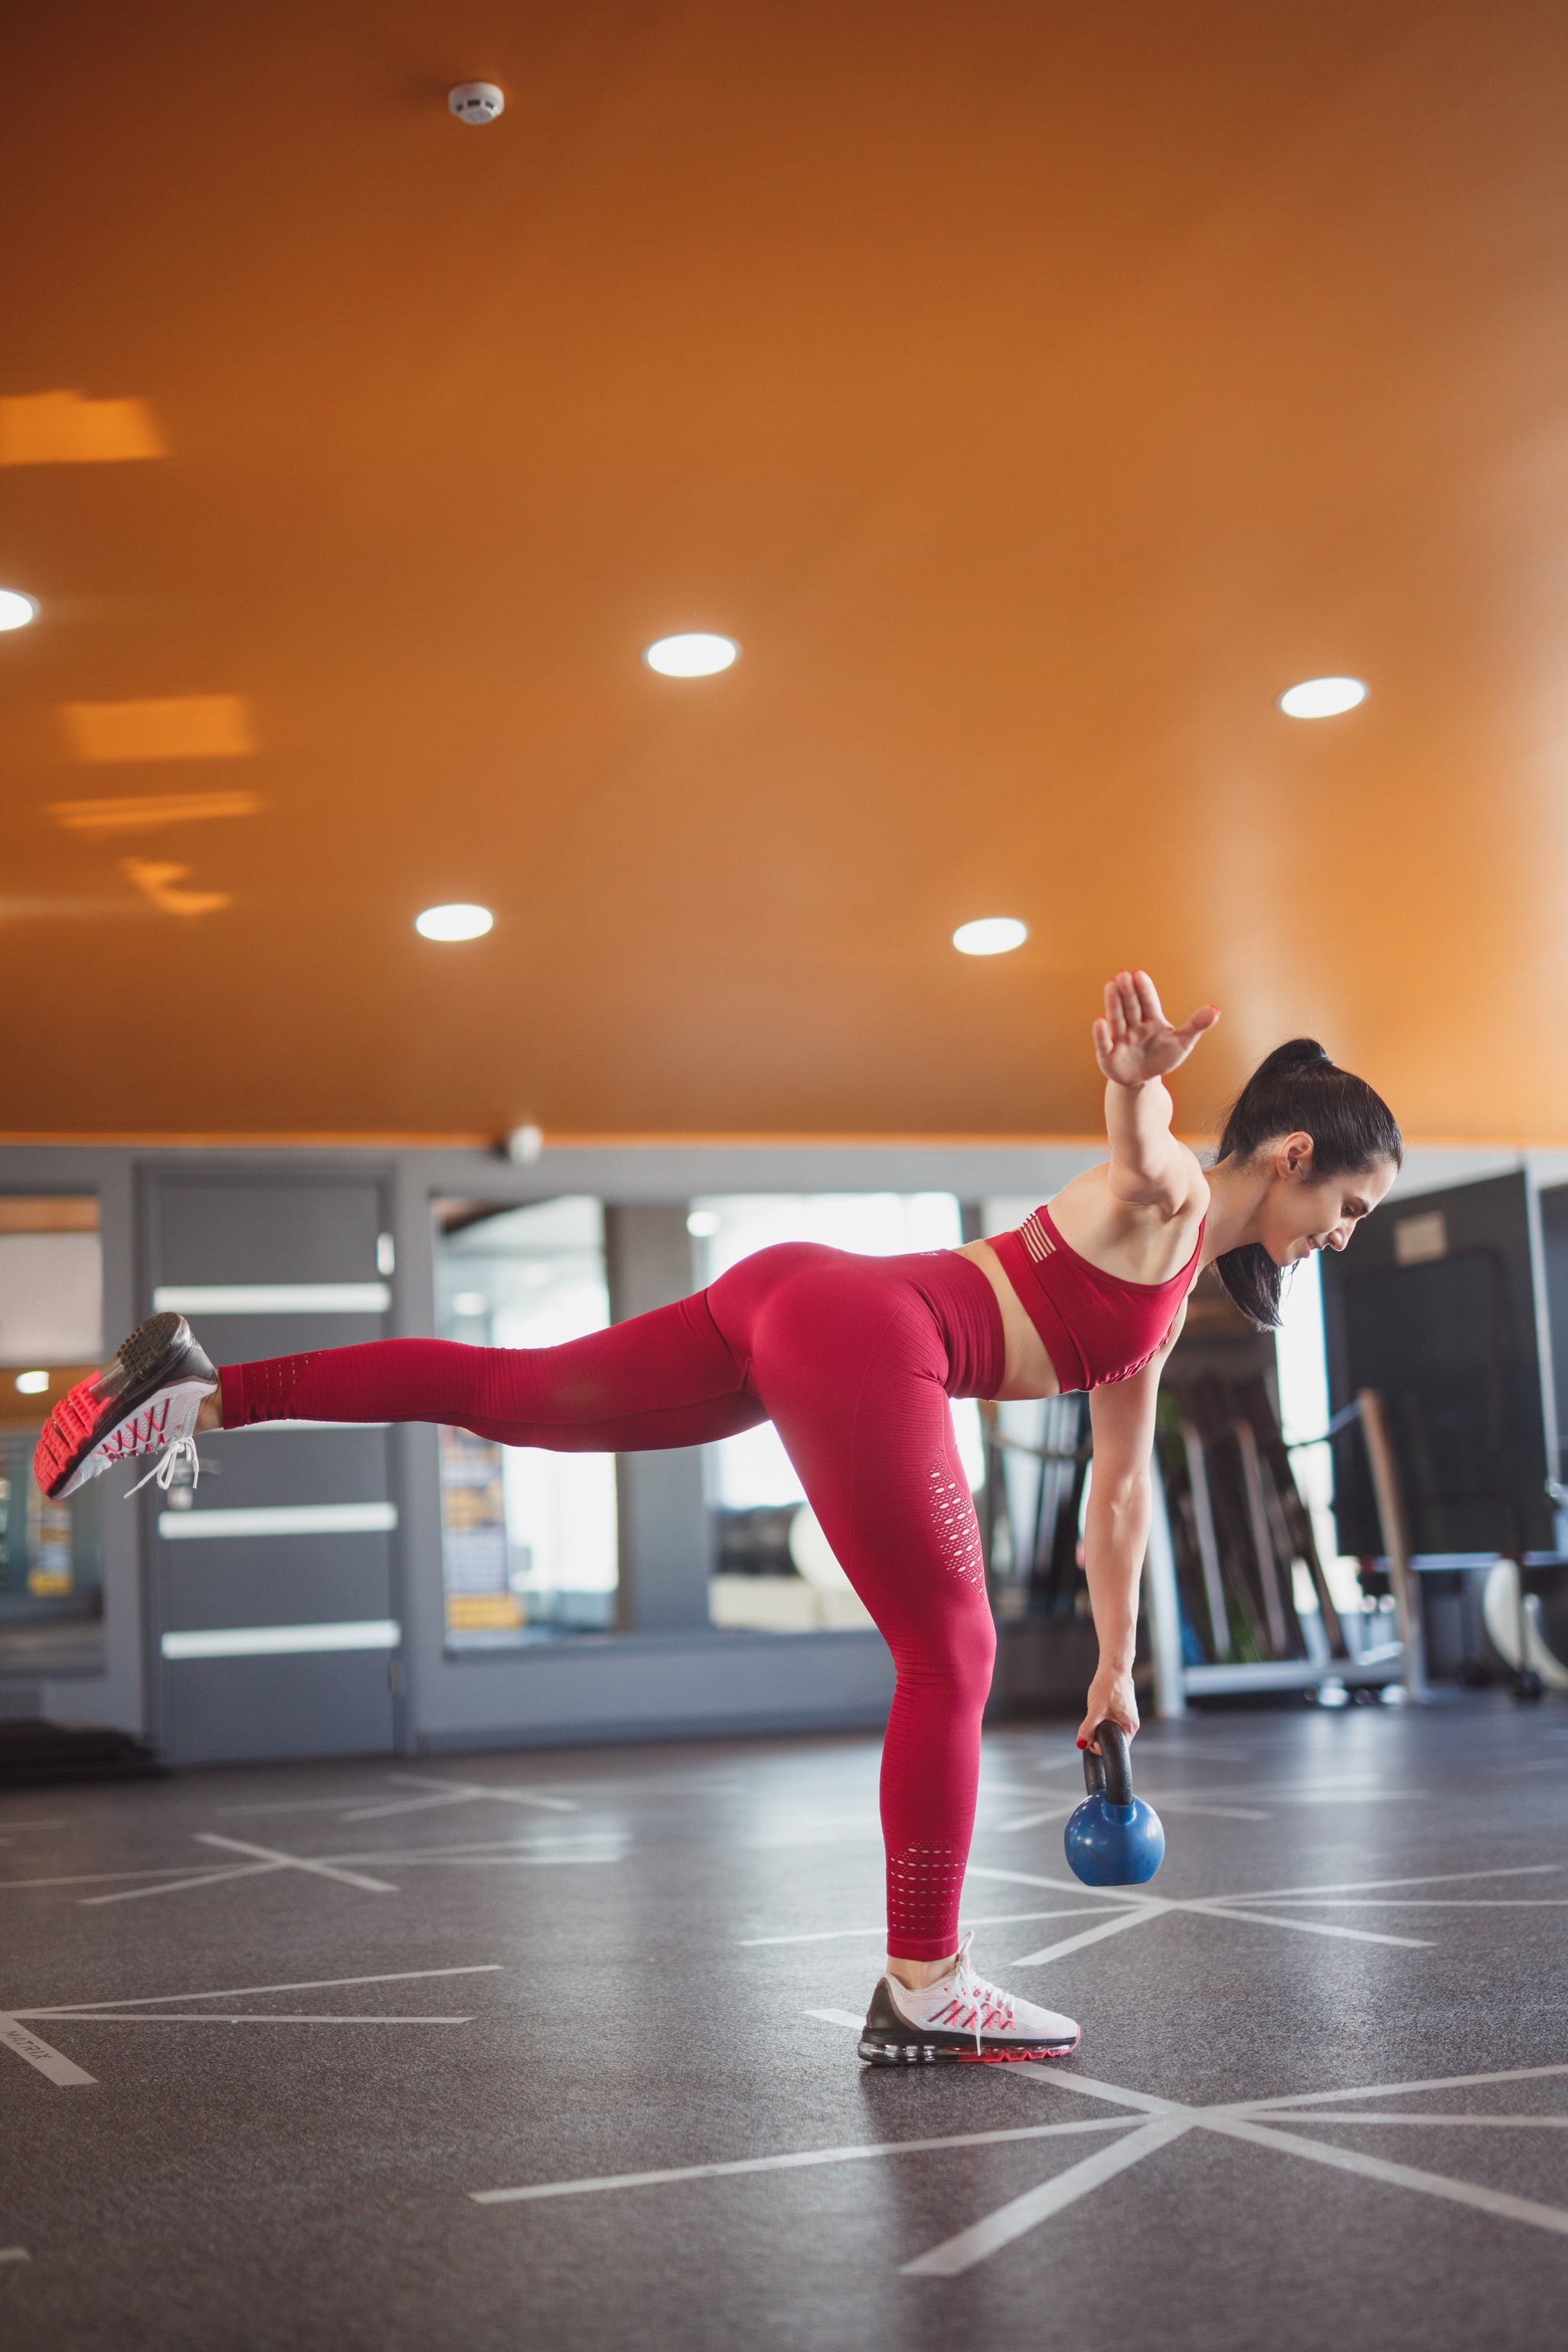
[(1260, 2122), (574, 1849), (104, 1877), (1402, 2090), (296, 1862), (1366, 1788), (15, 2034), (1366, 1885), (41, 2054), (532, 1842), (1115, 1925), (455, 1792), (10, 1827), (1477, 2123), (1306, 1926), (295, 1984), (1428, 1902), (292, 1805), (1172, 1804), (1401, 2176), (1031, 1878), (997, 1919), (1056, 1812), (1142, 1907), (499, 1861), (806, 2157), (247, 2017), (14, 2254), (1085, 2087), (178, 1885), (403, 1805), (962, 2252), (836, 2017)]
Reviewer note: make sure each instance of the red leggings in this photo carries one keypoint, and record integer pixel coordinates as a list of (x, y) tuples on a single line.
[(853, 1360)]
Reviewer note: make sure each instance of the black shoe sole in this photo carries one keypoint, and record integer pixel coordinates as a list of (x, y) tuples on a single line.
[(141, 1357), (153, 1356)]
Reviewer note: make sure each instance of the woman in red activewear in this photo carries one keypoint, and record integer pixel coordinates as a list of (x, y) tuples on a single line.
[(855, 1360)]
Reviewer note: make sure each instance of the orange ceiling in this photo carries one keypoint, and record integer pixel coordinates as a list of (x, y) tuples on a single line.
[(1034, 389)]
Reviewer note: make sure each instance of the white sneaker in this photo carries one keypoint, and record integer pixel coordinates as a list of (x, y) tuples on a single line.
[(961, 2018), (146, 1401)]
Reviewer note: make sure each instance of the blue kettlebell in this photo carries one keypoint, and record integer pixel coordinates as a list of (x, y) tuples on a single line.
[(1113, 1839)]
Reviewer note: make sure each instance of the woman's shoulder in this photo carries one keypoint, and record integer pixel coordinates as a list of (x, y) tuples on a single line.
[(1137, 1242), (1093, 1186)]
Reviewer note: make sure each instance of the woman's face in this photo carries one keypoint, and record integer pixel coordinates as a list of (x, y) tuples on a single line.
[(1303, 1212)]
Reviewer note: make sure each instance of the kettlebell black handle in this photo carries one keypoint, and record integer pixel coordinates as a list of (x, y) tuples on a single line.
[(1109, 1774)]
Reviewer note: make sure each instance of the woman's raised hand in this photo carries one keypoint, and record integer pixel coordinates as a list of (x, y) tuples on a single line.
[(1135, 1042)]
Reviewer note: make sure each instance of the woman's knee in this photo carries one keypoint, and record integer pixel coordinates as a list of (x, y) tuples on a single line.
[(956, 1656)]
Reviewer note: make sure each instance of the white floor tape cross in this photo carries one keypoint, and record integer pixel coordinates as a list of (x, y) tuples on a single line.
[(153, 2008), (1157, 2123)]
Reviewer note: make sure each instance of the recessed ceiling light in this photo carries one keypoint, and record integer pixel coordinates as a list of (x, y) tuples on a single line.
[(991, 935), (31, 1384), (694, 656), (454, 922), (1322, 698), (16, 610)]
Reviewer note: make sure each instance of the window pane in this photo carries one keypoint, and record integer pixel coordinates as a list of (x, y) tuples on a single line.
[(51, 1336), (776, 1572), (528, 1547)]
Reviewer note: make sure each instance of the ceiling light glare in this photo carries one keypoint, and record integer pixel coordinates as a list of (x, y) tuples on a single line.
[(702, 1224), (1322, 698), (31, 1384), (454, 922), (991, 935), (16, 610), (694, 656)]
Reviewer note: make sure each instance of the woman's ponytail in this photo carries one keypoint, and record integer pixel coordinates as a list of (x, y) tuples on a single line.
[(1297, 1088)]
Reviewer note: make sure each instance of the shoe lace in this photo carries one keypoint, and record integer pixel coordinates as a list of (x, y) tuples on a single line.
[(989, 2005), (165, 1469)]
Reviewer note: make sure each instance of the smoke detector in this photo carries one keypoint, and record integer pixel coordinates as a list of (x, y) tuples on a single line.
[(476, 101)]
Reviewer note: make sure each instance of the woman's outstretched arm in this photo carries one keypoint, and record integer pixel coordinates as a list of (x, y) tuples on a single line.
[(1136, 1045), (1116, 1532)]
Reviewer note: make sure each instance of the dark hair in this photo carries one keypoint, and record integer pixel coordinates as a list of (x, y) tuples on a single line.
[(1297, 1088)]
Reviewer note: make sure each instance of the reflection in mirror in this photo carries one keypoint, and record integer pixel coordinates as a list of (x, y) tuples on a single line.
[(51, 1336)]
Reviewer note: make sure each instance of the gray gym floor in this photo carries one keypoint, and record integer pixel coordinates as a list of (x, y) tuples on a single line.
[(279, 2032)]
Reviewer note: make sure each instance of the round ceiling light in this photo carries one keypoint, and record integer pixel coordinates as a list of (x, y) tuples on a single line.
[(697, 655), (454, 922), (16, 610), (991, 935), (1322, 698)]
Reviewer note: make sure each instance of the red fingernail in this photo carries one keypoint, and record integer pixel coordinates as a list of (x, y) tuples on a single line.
[(1083, 1743)]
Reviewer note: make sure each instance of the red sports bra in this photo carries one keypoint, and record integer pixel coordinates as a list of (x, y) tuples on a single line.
[(1096, 1326)]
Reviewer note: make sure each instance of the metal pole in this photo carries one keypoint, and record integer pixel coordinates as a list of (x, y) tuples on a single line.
[(1396, 1539), (1165, 1610)]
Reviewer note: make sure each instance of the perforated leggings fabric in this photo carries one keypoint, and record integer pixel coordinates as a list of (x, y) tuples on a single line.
[(854, 1360)]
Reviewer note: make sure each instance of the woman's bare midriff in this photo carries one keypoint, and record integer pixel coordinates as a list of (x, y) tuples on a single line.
[(1029, 1371)]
